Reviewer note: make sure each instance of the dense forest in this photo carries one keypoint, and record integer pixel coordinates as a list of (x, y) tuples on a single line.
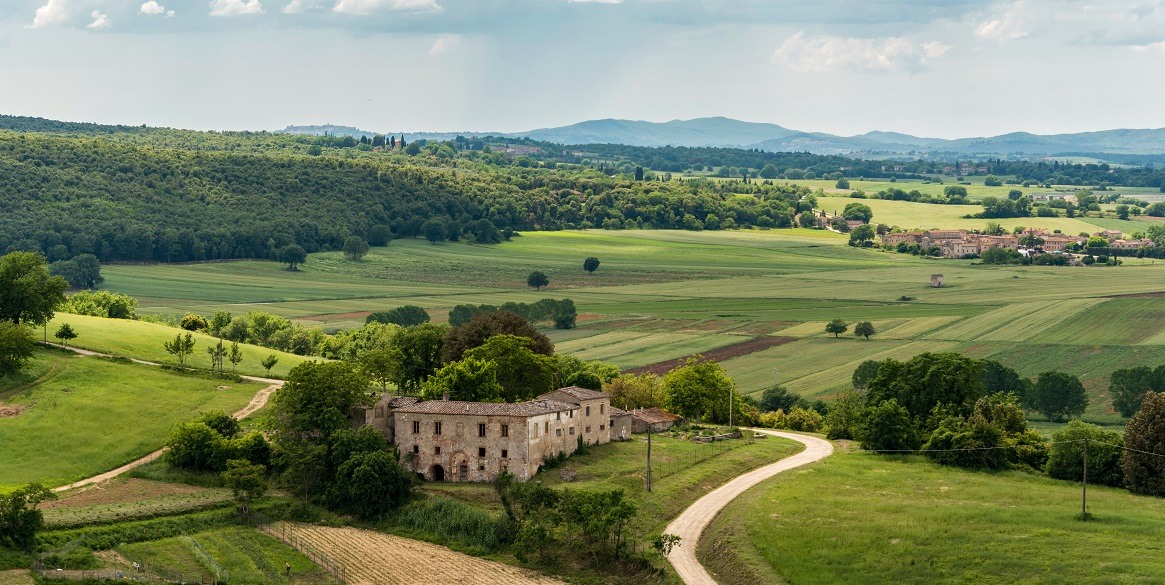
[(151, 194)]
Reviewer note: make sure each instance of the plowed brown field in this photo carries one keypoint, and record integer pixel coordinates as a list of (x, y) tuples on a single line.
[(374, 558)]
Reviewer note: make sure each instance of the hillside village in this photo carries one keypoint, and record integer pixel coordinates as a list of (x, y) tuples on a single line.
[(961, 243)]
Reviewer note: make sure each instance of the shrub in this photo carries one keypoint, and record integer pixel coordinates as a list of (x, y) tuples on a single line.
[(804, 419), (453, 521), (1066, 457), (192, 322), (888, 428)]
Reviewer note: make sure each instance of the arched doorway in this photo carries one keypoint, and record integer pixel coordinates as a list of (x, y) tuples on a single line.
[(437, 472)]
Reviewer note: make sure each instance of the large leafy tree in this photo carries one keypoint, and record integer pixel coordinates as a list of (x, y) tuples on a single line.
[(469, 379), (888, 427), (28, 293), (17, 345), (1127, 387), (928, 380), (83, 271), (700, 390), (316, 401), (1143, 462), (20, 518), (486, 325), (419, 348), (836, 327), (522, 373), (1057, 395), (405, 316), (998, 378)]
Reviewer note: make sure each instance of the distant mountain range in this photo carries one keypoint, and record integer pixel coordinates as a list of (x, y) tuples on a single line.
[(726, 132)]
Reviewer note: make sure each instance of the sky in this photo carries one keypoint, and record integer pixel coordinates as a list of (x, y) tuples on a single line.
[(948, 69)]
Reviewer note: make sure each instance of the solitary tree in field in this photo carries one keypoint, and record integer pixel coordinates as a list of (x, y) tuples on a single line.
[(180, 347), (591, 264), (293, 255), (434, 230), (836, 327), (864, 329), (537, 280), (1057, 395), (269, 362), (28, 293), (65, 333), (236, 356), (355, 248)]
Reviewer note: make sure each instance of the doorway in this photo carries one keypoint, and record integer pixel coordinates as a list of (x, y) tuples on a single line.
[(437, 472)]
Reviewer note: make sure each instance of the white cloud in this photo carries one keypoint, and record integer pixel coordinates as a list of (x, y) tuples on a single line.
[(1158, 47), (53, 12), (99, 20), (444, 44), (300, 6), (152, 8), (827, 53), (1007, 26), (235, 7), (370, 6), (595, 1)]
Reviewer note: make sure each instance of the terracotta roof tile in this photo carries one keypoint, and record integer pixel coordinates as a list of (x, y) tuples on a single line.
[(530, 408)]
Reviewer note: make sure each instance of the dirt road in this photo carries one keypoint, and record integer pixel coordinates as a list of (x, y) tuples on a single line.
[(692, 521), (257, 402)]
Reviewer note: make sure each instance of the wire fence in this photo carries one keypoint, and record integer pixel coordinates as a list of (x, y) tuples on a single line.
[(290, 535), (676, 455)]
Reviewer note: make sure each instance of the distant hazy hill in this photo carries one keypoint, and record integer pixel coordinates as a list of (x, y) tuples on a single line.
[(326, 130), (771, 137)]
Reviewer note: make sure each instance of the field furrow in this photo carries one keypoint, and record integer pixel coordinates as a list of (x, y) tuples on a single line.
[(374, 558)]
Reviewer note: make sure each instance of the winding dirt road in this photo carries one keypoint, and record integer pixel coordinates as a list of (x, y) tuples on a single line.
[(692, 521), (257, 402)]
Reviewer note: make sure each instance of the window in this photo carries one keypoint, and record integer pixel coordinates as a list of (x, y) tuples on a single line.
[(379, 412), (572, 414), (558, 432), (572, 430), (602, 427), (481, 451), (602, 409), (588, 411), (437, 450), (558, 416), (481, 429), (437, 428), (547, 429), (505, 453), (417, 449), (416, 427), (481, 468), (588, 429), (505, 430)]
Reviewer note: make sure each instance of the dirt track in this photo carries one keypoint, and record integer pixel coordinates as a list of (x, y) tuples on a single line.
[(692, 521), (257, 402)]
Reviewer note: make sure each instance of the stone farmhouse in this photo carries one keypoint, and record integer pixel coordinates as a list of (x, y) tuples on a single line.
[(450, 440), (961, 243)]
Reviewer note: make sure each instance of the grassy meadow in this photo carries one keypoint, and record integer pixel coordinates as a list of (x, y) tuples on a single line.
[(69, 417), (906, 520), (660, 295)]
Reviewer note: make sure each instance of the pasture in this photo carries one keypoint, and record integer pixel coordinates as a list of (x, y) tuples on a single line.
[(906, 520), (662, 295), (69, 417)]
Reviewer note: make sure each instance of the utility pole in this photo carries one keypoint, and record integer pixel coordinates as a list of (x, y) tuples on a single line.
[(730, 407), (1084, 485), (649, 457)]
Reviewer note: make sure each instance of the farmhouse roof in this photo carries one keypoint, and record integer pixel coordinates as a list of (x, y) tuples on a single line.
[(654, 416), (618, 412), (529, 408), (574, 392), (402, 401)]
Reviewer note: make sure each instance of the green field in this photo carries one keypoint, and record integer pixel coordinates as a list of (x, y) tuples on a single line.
[(234, 555), (143, 341), (861, 518), (78, 416), (660, 295), (682, 472)]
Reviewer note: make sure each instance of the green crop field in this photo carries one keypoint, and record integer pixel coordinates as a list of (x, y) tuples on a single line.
[(659, 295), (143, 341), (234, 555), (71, 417), (906, 520)]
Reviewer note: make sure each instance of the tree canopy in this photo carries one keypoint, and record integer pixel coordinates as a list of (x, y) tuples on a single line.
[(28, 293)]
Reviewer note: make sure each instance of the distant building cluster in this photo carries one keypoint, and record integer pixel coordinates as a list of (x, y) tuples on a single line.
[(450, 440), (962, 243)]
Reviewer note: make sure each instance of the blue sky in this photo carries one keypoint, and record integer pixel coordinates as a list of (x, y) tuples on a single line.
[(948, 69)]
